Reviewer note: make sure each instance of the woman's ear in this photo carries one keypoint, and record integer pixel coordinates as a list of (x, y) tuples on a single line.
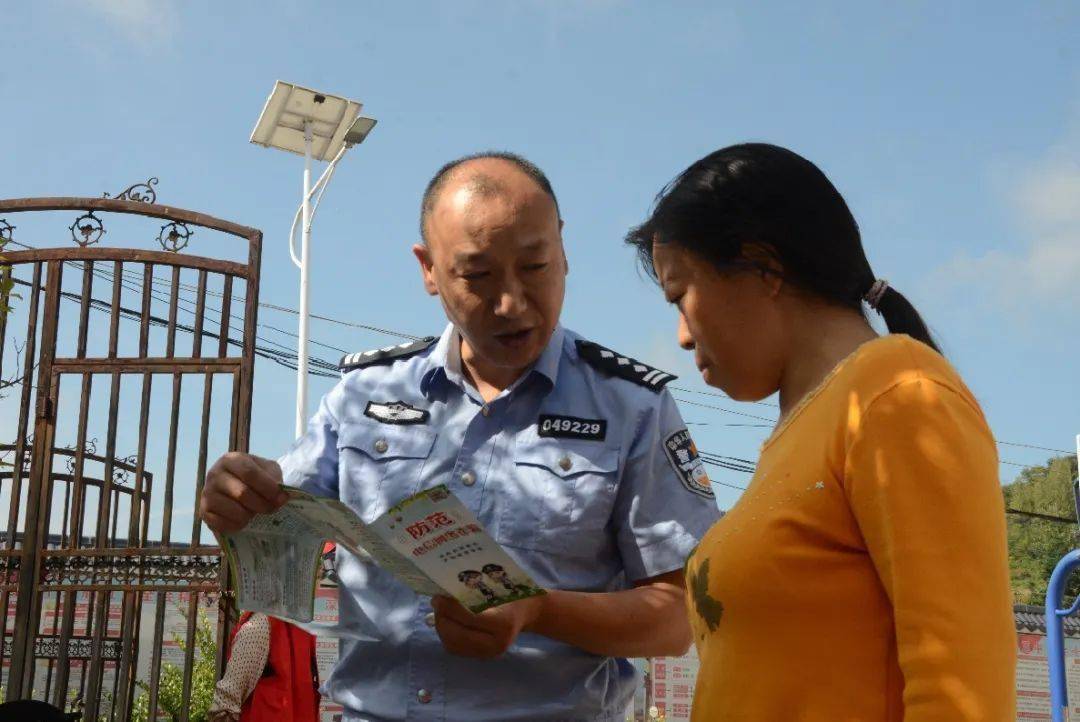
[(764, 259)]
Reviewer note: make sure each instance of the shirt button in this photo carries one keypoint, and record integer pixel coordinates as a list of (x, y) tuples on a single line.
[(429, 619), (423, 696), (468, 478), (485, 410), (381, 446), (565, 463)]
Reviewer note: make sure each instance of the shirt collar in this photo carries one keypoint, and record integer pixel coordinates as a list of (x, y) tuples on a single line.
[(548, 363), (445, 359)]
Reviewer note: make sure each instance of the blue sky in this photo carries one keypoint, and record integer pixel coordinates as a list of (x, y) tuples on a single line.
[(954, 134)]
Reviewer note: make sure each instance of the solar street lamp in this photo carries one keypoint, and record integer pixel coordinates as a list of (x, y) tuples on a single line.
[(318, 126)]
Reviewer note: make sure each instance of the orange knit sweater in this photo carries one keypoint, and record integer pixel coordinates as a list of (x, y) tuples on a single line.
[(863, 575)]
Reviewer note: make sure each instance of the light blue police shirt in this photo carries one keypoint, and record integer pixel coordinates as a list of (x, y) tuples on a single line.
[(580, 511)]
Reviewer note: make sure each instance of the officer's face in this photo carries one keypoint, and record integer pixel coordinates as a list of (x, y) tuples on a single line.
[(729, 320), (496, 260)]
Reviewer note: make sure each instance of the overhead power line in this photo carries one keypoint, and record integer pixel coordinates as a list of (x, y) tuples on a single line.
[(722, 396), (1044, 517), (1032, 446), (726, 411), (285, 356), (323, 368), (745, 426), (159, 281)]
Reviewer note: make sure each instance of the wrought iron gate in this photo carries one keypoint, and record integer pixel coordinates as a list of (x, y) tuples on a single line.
[(102, 540)]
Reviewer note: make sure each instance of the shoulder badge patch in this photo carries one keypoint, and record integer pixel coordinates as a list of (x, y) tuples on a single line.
[(623, 366), (683, 455), (395, 412), (366, 358)]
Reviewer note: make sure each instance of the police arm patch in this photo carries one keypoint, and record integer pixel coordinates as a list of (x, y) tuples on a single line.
[(683, 455)]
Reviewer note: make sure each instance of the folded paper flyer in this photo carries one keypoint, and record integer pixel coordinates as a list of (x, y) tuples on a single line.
[(430, 541)]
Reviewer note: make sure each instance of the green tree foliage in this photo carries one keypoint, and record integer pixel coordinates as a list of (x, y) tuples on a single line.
[(7, 282), (1036, 545), (171, 687)]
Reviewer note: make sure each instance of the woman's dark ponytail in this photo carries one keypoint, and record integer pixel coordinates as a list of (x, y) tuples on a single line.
[(766, 196), (901, 317)]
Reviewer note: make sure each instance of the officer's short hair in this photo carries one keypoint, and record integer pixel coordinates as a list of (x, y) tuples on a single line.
[(485, 185)]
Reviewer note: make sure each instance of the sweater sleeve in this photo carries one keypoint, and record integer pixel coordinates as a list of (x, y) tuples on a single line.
[(250, 650), (921, 477)]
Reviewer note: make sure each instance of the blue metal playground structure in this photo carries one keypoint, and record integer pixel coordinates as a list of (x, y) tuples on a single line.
[(1055, 632)]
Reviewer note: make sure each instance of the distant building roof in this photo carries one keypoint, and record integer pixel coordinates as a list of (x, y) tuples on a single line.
[(1033, 619)]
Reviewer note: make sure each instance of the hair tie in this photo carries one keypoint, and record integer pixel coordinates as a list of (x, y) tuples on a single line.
[(876, 293)]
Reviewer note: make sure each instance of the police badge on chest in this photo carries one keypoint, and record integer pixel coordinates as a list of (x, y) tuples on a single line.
[(395, 412)]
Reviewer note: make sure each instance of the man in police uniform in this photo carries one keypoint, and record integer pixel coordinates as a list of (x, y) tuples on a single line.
[(572, 456)]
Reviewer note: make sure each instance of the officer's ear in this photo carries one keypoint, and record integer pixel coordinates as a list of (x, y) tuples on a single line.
[(562, 247), (423, 256)]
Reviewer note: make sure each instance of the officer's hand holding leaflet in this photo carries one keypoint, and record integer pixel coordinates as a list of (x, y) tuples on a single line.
[(239, 486), (486, 635)]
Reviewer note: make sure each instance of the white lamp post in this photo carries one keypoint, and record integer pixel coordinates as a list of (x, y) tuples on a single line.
[(317, 126)]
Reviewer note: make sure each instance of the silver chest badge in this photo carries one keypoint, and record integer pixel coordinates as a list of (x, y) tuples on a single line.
[(395, 412)]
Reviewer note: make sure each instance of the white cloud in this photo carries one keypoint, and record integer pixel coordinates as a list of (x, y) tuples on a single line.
[(1045, 268), (1050, 191), (146, 23)]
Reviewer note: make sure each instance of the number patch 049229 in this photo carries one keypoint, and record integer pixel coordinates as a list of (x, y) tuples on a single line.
[(569, 427)]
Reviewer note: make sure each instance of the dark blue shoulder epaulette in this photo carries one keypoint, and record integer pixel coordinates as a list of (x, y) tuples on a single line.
[(361, 359), (623, 366)]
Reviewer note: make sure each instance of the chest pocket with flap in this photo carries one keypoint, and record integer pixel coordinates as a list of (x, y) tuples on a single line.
[(561, 493), (380, 464)]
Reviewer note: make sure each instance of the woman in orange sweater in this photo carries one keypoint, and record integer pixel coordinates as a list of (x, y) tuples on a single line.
[(863, 573)]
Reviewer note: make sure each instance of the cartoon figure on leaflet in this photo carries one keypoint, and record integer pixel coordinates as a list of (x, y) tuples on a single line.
[(500, 576), (474, 580)]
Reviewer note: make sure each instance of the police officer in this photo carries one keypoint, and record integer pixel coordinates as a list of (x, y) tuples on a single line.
[(573, 457)]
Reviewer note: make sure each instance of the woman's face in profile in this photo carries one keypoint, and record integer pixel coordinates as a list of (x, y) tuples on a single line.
[(730, 320)]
